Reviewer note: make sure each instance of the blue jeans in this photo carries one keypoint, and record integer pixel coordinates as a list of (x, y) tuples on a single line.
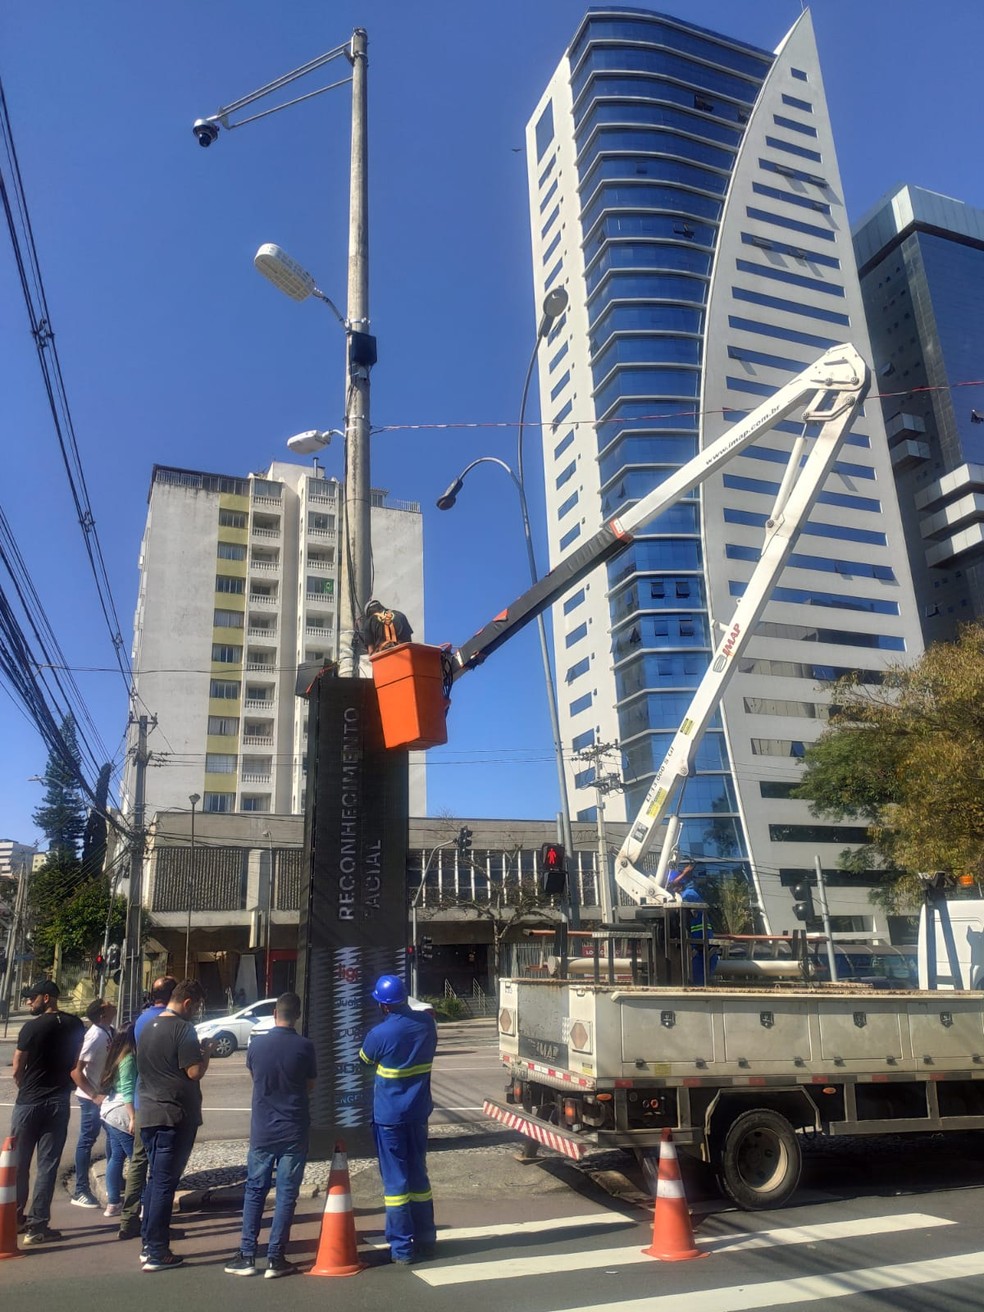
[(40, 1126), (88, 1135), (289, 1160), (120, 1149), (402, 1154), (168, 1149)]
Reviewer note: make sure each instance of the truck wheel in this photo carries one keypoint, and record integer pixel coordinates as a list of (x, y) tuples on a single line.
[(760, 1160)]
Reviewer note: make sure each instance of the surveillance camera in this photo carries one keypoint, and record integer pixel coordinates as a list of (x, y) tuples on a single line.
[(205, 131)]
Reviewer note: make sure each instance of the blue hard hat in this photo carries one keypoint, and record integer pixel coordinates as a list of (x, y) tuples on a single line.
[(389, 990)]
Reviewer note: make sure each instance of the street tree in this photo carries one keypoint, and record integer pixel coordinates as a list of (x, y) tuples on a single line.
[(907, 757), (61, 815), (94, 838)]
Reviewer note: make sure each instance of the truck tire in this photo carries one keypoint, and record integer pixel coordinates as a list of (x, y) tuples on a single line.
[(760, 1160)]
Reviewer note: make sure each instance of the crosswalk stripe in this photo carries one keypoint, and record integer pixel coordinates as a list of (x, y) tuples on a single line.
[(804, 1289), (550, 1224), (551, 1263)]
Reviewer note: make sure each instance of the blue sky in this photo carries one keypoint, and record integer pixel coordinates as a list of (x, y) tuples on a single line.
[(175, 351)]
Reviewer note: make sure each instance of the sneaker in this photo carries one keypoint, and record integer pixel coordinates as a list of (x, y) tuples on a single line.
[(241, 1264), (42, 1235), (144, 1255), (278, 1266), (113, 1209), (401, 1261), (164, 1263), (83, 1200), (129, 1228)]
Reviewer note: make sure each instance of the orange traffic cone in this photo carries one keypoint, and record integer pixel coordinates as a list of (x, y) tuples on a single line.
[(338, 1248), (673, 1235), (8, 1200)]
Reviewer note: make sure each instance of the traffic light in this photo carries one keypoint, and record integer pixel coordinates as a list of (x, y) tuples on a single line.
[(114, 956), (553, 869), (426, 949), (464, 841), (100, 963), (803, 900)]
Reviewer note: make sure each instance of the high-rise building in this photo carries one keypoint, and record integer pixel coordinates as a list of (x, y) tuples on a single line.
[(921, 263), (239, 579), (685, 191)]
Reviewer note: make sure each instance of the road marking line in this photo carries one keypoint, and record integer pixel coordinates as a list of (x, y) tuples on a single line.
[(551, 1263), (525, 1228), (803, 1289)]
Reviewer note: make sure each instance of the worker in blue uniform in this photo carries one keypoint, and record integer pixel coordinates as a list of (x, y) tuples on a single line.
[(402, 1048), (682, 883)]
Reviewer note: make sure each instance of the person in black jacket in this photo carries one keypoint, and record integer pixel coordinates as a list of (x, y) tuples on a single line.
[(382, 628)]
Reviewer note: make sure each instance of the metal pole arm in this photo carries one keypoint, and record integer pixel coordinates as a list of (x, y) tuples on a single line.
[(251, 97)]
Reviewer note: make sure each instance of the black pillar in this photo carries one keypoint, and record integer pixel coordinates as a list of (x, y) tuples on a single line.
[(353, 917)]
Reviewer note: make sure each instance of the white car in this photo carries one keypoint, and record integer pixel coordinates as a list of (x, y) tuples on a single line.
[(231, 1032), (265, 1026)]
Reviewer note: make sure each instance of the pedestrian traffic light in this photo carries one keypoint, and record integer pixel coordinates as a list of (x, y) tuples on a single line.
[(803, 901), (553, 869), (464, 841), (100, 963)]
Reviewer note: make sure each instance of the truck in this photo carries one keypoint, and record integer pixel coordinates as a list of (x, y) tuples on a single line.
[(737, 1072)]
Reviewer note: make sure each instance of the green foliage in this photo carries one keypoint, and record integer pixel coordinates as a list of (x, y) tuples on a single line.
[(447, 1008), (61, 816), (907, 757), (94, 839), (729, 903), (71, 909)]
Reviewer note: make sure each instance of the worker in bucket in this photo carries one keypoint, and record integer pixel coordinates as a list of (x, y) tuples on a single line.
[(683, 883), (382, 628)]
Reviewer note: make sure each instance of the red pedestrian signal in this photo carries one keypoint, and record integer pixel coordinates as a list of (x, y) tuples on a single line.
[(553, 869)]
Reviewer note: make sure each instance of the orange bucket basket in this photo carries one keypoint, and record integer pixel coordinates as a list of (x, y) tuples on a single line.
[(409, 682)]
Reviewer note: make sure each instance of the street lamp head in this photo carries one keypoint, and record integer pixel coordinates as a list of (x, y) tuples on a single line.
[(447, 498), (286, 274), (205, 132), (194, 799), (554, 305), (305, 444)]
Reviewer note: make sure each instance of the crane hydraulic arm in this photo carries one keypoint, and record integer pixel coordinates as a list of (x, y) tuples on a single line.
[(830, 392)]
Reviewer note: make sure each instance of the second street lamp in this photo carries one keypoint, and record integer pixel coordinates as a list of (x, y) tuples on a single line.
[(194, 799)]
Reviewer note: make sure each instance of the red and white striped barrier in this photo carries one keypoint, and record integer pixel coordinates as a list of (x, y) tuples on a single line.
[(8, 1200), (560, 1143)]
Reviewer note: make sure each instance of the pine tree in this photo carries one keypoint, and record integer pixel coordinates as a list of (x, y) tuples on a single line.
[(61, 816), (94, 840)]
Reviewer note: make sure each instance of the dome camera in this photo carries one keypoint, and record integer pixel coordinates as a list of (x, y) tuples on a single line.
[(205, 131)]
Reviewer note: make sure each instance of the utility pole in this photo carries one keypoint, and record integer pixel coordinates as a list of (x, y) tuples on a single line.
[(603, 784), (357, 556), (15, 939), (133, 947), (825, 913)]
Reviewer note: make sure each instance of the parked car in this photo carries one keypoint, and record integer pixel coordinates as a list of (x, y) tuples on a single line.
[(265, 1026), (231, 1032), (880, 967)]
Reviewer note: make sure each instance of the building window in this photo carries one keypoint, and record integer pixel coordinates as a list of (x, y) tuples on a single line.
[(794, 279), (576, 635), (818, 834), (794, 103), (544, 131), (256, 804), (224, 688), (551, 248), (218, 803), (585, 778), (565, 475), (232, 518), (550, 221), (230, 551), (782, 122), (561, 383), (573, 602), (775, 789), (570, 536), (220, 763), (225, 726), (802, 151), (227, 583), (226, 654), (563, 444), (798, 73), (583, 740), (568, 505), (227, 619), (575, 671), (792, 307), (557, 359), (580, 704)]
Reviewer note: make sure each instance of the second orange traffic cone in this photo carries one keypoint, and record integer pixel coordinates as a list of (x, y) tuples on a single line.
[(338, 1248), (673, 1235), (8, 1200)]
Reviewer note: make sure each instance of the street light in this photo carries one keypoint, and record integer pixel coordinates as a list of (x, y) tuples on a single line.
[(311, 442), (292, 279), (554, 305), (271, 903), (413, 911), (194, 799)]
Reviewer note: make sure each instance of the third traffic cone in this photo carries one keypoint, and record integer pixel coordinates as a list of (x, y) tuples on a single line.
[(673, 1235), (338, 1248), (8, 1200)]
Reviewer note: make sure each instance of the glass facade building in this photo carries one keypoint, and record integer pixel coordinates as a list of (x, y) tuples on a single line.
[(921, 261), (684, 190)]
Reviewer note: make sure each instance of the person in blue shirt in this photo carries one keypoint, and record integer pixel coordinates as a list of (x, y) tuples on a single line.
[(683, 884), (282, 1064), (402, 1049)]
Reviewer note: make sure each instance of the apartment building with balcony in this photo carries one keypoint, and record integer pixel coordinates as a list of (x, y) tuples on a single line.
[(239, 581)]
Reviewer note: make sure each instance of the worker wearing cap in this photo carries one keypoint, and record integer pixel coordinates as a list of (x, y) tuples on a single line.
[(402, 1048), (48, 1048), (384, 628), (682, 883)]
